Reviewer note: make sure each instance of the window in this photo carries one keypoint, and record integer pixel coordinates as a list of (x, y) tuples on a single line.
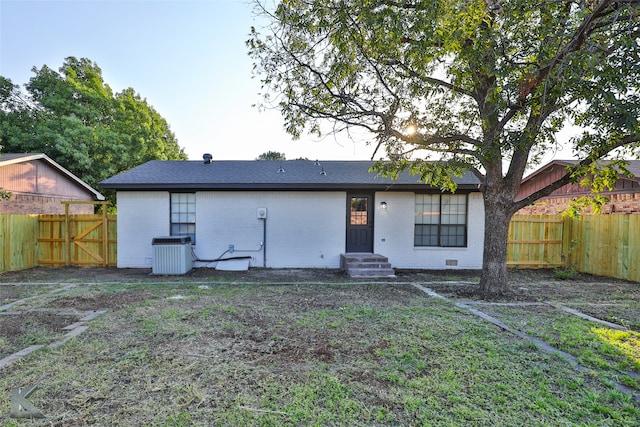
[(359, 213), (441, 220), (183, 215)]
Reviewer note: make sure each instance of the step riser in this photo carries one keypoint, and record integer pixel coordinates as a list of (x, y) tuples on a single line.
[(374, 256), (368, 265), (367, 261)]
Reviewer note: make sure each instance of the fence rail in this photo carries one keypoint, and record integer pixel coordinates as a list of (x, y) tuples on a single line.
[(603, 245)]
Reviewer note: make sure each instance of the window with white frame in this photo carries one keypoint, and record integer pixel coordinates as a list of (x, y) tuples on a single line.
[(183, 215), (441, 220)]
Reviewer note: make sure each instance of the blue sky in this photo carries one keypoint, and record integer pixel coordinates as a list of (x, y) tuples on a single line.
[(187, 58)]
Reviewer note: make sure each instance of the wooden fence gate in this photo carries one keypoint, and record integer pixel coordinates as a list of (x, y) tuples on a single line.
[(78, 240)]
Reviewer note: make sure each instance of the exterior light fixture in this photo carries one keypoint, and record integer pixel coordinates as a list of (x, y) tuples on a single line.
[(383, 205)]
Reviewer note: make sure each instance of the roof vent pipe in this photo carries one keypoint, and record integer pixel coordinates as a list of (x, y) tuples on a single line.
[(207, 158)]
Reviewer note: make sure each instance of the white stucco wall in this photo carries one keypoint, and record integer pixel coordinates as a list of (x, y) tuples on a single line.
[(394, 230), (303, 229), (142, 215)]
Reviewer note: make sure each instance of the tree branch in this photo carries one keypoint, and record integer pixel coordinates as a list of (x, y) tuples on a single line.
[(348, 119), (428, 79), (448, 150)]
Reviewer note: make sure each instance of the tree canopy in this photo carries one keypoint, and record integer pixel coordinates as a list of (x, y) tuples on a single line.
[(443, 86), (272, 155), (75, 118)]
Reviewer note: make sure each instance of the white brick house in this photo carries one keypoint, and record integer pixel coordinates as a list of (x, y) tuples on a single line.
[(297, 214)]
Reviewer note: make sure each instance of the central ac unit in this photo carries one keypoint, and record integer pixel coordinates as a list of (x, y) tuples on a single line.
[(172, 255)]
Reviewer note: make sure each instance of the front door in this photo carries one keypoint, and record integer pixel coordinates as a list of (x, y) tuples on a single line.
[(359, 222)]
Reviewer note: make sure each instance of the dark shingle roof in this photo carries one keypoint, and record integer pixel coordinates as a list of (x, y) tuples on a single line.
[(265, 175)]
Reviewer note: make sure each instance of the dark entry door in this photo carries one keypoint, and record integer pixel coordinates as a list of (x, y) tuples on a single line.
[(359, 222)]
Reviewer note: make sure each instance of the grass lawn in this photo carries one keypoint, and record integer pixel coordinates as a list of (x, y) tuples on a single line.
[(308, 354)]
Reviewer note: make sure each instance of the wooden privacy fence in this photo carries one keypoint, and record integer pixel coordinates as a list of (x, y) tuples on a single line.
[(19, 234), (606, 245), (603, 245), (57, 240), (536, 241)]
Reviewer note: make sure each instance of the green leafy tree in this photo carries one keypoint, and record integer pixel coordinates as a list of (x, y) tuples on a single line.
[(75, 118), (272, 155), (443, 86)]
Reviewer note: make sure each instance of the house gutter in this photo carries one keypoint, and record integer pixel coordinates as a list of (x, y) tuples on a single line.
[(284, 187)]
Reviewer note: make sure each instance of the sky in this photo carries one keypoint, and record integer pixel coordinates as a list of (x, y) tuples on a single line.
[(187, 58)]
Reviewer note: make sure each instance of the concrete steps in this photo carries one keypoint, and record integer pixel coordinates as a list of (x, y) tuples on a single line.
[(366, 265)]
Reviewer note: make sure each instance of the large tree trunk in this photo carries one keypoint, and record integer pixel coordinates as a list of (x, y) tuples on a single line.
[(497, 216)]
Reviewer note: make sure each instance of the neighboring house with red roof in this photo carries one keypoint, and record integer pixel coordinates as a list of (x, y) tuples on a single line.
[(624, 197), (297, 214), (38, 184)]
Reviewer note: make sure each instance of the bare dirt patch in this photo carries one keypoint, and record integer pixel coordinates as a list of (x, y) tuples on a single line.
[(144, 275), (542, 285), (608, 299), (526, 285), (605, 298), (118, 275), (77, 275), (9, 294), (113, 300), (21, 330)]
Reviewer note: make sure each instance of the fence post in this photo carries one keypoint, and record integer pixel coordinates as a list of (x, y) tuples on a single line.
[(6, 224), (567, 238), (67, 236), (105, 235)]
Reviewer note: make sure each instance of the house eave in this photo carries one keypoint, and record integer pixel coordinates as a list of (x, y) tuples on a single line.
[(284, 187)]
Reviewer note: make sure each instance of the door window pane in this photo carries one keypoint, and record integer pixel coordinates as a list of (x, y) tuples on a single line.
[(359, 211)]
